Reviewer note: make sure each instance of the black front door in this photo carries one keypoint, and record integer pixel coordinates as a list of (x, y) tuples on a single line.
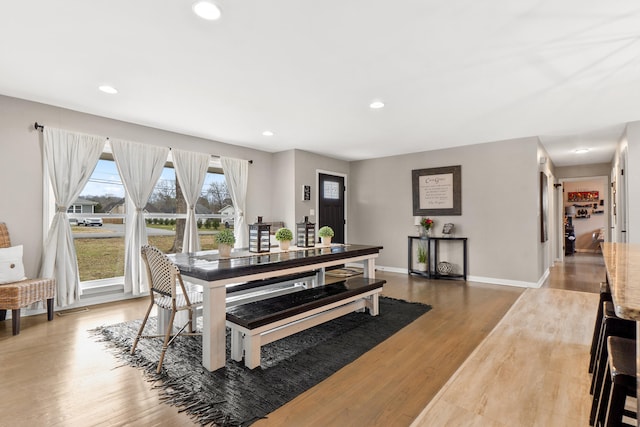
[(331, 205)]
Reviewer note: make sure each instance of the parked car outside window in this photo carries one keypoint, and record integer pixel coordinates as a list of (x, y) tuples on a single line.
[(90, 222)]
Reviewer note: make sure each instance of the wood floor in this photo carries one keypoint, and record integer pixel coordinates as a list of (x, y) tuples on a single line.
[(56, 374), (530, 371)]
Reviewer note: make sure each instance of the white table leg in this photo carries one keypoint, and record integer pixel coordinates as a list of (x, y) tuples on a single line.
[(213, 328)]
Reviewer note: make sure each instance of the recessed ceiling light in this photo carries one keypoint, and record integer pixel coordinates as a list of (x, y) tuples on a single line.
[(376, 105), (582, 150), (268, 133), (108, 89), (206, 10)]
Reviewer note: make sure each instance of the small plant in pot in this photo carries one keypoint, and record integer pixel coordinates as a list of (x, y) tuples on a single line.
[(326, 233), (422, 258), (226, 240), (284, 236)]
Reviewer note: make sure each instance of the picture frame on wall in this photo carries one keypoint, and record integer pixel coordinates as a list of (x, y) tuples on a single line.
[(437, 191)]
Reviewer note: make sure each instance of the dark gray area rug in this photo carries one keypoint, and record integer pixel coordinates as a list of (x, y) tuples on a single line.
[(237, 396)]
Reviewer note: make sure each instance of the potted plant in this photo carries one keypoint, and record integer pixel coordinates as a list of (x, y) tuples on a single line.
[(284, 236), (226, 240), (326, 233), (422, 258)]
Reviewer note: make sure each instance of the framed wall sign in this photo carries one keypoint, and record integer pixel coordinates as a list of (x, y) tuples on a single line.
[(306, 193), (583, 196), (437, 191)]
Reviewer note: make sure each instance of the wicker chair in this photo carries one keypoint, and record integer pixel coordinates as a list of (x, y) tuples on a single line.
[(16, 295), (163, 275)]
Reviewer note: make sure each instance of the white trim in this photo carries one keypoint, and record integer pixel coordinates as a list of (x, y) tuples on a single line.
[(392, 269), (86, 301), (480, 279), (505, 282)]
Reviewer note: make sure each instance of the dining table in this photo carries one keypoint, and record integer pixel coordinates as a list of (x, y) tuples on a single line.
[(214, 273), (622, 263)]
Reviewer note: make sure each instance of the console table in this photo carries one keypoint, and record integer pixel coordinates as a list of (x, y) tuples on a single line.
[(433, 244)]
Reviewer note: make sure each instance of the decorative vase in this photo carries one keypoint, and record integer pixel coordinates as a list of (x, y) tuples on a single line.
[(224, 250), (445, 268), (428, 232), (326, 241), (284, 244)]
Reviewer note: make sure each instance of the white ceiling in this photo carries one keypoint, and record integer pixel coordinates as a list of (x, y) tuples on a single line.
[(451, 72)]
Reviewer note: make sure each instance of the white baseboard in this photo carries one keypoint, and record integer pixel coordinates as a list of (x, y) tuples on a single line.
[(108, 294), (480, 279)]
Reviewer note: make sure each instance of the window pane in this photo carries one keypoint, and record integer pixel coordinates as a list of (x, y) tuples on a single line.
[(214, 210), (331, 190), (99, 233), (161, 212), (167, 208)]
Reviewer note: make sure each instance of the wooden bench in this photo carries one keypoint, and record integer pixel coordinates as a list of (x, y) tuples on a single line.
[(261, 322)]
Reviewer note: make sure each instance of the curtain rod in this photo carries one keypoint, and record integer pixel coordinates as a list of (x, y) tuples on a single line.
[(41, 128)]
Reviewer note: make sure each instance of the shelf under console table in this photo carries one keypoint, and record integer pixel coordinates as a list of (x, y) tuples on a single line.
[(432, 248)]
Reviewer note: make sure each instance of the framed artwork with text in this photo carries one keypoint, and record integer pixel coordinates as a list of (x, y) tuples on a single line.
[(437, 191)]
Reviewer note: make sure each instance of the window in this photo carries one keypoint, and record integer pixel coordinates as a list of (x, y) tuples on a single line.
[(166, 211), (100, 250)]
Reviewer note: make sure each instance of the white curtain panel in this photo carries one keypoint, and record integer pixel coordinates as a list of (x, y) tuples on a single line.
[(140, 166), (191, 169), (71, 158), (236, 174)]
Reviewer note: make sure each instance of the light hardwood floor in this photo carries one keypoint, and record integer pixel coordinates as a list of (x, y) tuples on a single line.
[(530, 371), (56, 374)]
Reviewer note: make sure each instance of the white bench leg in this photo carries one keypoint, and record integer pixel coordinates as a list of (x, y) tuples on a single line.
[(373, 305), (251, 351), (236, 345)]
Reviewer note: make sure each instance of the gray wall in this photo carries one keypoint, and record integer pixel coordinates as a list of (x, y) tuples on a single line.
[(500, 197), (21, 164), (633, 180), (291, 170), (500, 184), (581, 171), (283, 194), (307, 166)]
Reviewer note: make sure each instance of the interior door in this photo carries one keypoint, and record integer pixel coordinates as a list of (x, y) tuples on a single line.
[(331, 205)]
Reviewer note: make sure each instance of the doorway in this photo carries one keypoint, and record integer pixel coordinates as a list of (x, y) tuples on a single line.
[(585, 207), (331, 204)]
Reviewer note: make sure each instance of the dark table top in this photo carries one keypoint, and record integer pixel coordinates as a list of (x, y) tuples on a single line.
[(207, 265)]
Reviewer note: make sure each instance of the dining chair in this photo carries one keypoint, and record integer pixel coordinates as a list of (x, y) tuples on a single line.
[(164, 277)]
